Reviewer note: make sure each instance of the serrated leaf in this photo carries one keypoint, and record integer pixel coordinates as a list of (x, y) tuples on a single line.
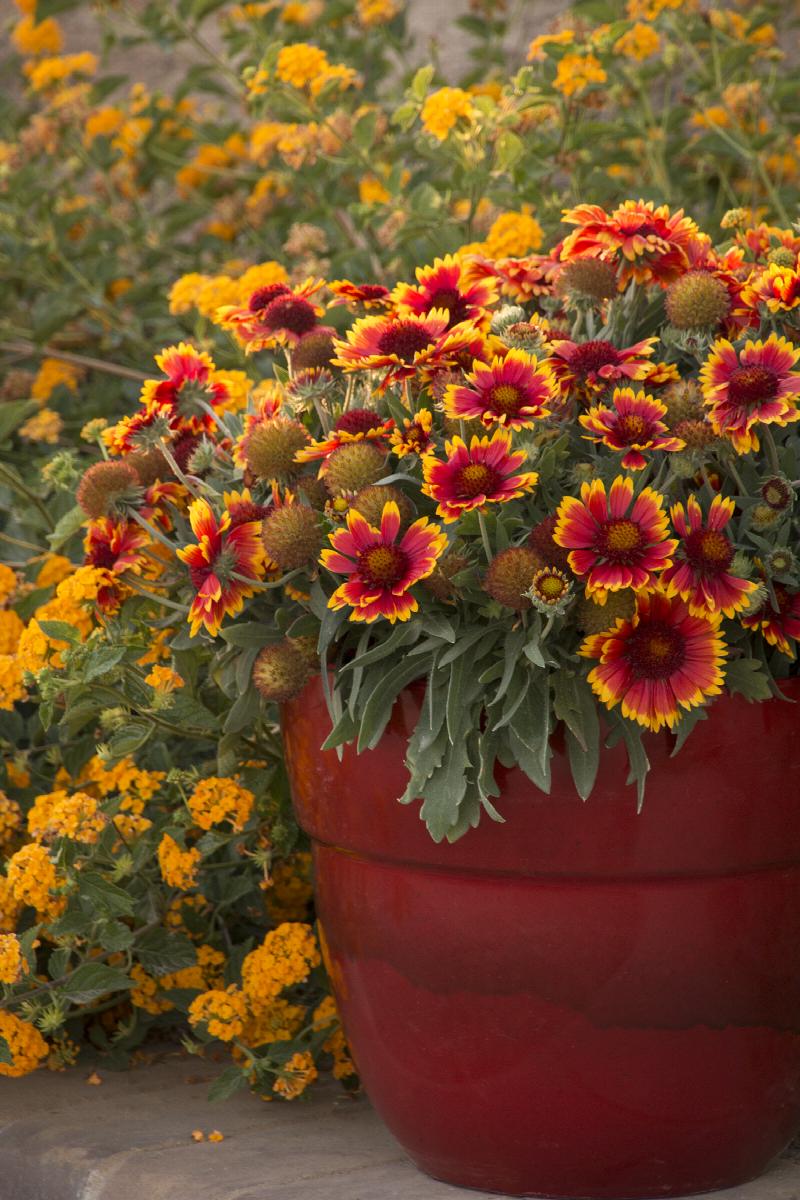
[(232, 1080), (101, 660), (380, 702), (444, 790), (130, 739), (93, 980), (747, 677), (584, 752), (60, 631), (104, 896), (161, 952), (6, 1057)]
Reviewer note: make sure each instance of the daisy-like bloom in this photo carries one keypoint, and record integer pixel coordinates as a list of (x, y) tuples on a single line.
[(221, 553), (355, 425), (633, 424), (369, 295), (778, 623), (777, 287), (751, 386), (657, 663), (404, 345), (700, 576), (445, 286), (651, 244), (381, 569), (191, 386), (275, 314), (613, 540), (513, 391), (485, 472), (415, 436), (115, 547), (592, 366), (520, 278)]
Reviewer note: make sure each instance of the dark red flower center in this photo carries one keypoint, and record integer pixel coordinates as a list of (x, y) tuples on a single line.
[(633, 428), (452, 300), (358, 420), (476, 479), (655, 650), (263, 296), (382, 566), (292, 313), (241, 512), (709, 550), (372, 291), (620, 540), (404, 339), (588, 357), (101, 555), (748, 386), (776, 493), (505, 399)]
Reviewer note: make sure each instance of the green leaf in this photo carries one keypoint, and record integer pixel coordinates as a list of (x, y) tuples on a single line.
[(60, 631), (403, 635), (115, 936), (421, 82), (66, 527), (6, 1057), (100, 660), (248, 633), (93, 980), (343, 731), (130, 739), (13, 413), (104, 896), (747, 677), (638, 761), (444, 791), (529, 733), (584, 751), (161, 952), (232, 1080), (439, 627), (509, 150), (685, 727), (380, 702), (242, 711)]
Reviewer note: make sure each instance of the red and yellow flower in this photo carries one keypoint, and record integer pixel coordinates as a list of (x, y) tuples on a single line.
[(519, 278), (485, 472), (592, 366), (274, 315), (370, 295), (381, 570), (354, 425), (777, 288), (614, 541), (633, 424), (778, 623), (190, 389), (701, 576), (513, 391), (222, 553), (651, 244), (445, 286), (415, 435), (754, 385), (659, 663), (115, 547), (404, 345)]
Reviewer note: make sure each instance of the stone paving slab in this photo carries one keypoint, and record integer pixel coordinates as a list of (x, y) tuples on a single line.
[(130, 1138)]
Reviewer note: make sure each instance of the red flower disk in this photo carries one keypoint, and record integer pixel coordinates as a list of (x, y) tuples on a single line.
[(381, 569), (614, 541), (190, 387), (114, 547), (751, 386), (701, 576), (633, 424), (779, 623), (660, 662), (484, 473), (592, 366), (404, 345), (220, 553), (651, 244), (513, 391), (446, 286)]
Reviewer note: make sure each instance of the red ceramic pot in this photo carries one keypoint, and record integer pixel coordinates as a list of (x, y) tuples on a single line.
[(583, 1001)]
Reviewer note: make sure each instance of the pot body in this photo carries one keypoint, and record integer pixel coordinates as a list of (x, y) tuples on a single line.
[(584, 1001)]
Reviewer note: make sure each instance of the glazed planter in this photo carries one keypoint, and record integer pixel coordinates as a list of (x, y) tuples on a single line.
[(584, 1001)]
